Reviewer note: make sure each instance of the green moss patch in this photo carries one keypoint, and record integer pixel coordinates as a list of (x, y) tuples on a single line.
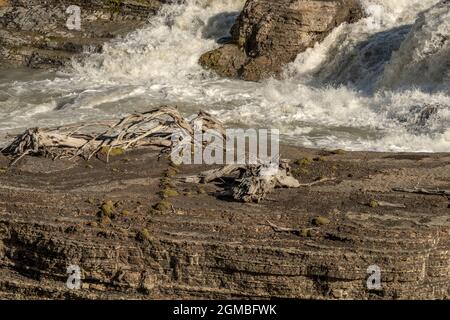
[(163, 206), (374, 203), (304, 161), (115, 5), (108, 209), (306, 233), (112, 151), (126, 213), (143, 235), (320, 221), (169, 193)]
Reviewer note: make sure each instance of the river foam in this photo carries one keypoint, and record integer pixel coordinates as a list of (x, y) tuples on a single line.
[(379, 84)]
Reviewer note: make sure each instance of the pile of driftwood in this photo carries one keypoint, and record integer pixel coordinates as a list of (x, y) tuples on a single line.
[(153, 128), (249, 183)]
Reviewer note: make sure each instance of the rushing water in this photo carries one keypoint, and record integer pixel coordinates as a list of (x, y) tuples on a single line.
[(363, 88)]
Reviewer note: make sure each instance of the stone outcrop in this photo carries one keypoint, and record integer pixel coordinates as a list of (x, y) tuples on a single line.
[(34, 33), (311, 242), (268, 34)]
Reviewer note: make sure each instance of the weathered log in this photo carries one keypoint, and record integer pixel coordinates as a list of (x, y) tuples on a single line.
[(153, 128), (424, 191), (251, 183)]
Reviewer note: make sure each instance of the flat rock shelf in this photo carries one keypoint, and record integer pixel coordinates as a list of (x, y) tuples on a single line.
[(137, 232)]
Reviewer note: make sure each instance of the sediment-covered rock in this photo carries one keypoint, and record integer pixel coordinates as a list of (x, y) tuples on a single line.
[(111, 221), (269, 34)]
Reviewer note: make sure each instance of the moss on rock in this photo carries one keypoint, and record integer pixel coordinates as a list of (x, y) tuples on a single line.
[(143, 235), (112, 151), (373, 203), (163, 206), (304, 161), (306, 233), (320, 221), (169, 192), (108, 209)]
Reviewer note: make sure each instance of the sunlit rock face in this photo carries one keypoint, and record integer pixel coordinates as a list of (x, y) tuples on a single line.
[(270, 34)]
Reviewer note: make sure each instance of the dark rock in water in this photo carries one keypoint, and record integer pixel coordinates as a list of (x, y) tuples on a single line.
[(270, 34), (426, 114), (420, 118)]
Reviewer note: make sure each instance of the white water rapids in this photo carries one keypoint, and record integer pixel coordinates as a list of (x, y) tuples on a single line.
[(363, 88)]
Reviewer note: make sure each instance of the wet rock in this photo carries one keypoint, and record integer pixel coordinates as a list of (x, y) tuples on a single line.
[(226, 61), (269, 34), (428, 112)]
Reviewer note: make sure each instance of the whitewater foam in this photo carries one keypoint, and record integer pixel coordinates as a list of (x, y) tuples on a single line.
[(357, 90), (424, 57)]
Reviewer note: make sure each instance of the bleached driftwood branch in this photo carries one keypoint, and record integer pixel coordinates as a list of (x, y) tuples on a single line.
[(424, 191), (153, 128), (252, 183)]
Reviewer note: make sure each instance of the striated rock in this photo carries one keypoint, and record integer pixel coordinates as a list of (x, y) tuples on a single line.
[(270, 34), (310, 242)]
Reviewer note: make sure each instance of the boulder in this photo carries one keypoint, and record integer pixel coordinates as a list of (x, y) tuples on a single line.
[(268, 34)]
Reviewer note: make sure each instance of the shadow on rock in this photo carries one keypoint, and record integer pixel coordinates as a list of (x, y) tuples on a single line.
[(362, 64), (218, 27)]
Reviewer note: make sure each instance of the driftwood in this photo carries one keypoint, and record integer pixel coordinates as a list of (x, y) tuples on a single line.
[(424, 191), (255, 182), (283, 229), (211, 175), (390, 205), (377, 203), (321, 180), (251, 183), (153, 128), (157, 127)]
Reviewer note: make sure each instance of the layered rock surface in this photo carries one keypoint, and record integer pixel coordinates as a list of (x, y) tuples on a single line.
[(269, 34), (204, 247), (34, 33)]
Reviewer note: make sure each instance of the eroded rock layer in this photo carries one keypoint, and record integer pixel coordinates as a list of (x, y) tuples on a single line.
[(111, 221)]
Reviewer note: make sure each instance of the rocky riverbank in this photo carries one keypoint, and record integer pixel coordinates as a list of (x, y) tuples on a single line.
[(265, 37), (136, 232), (34, 33)]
